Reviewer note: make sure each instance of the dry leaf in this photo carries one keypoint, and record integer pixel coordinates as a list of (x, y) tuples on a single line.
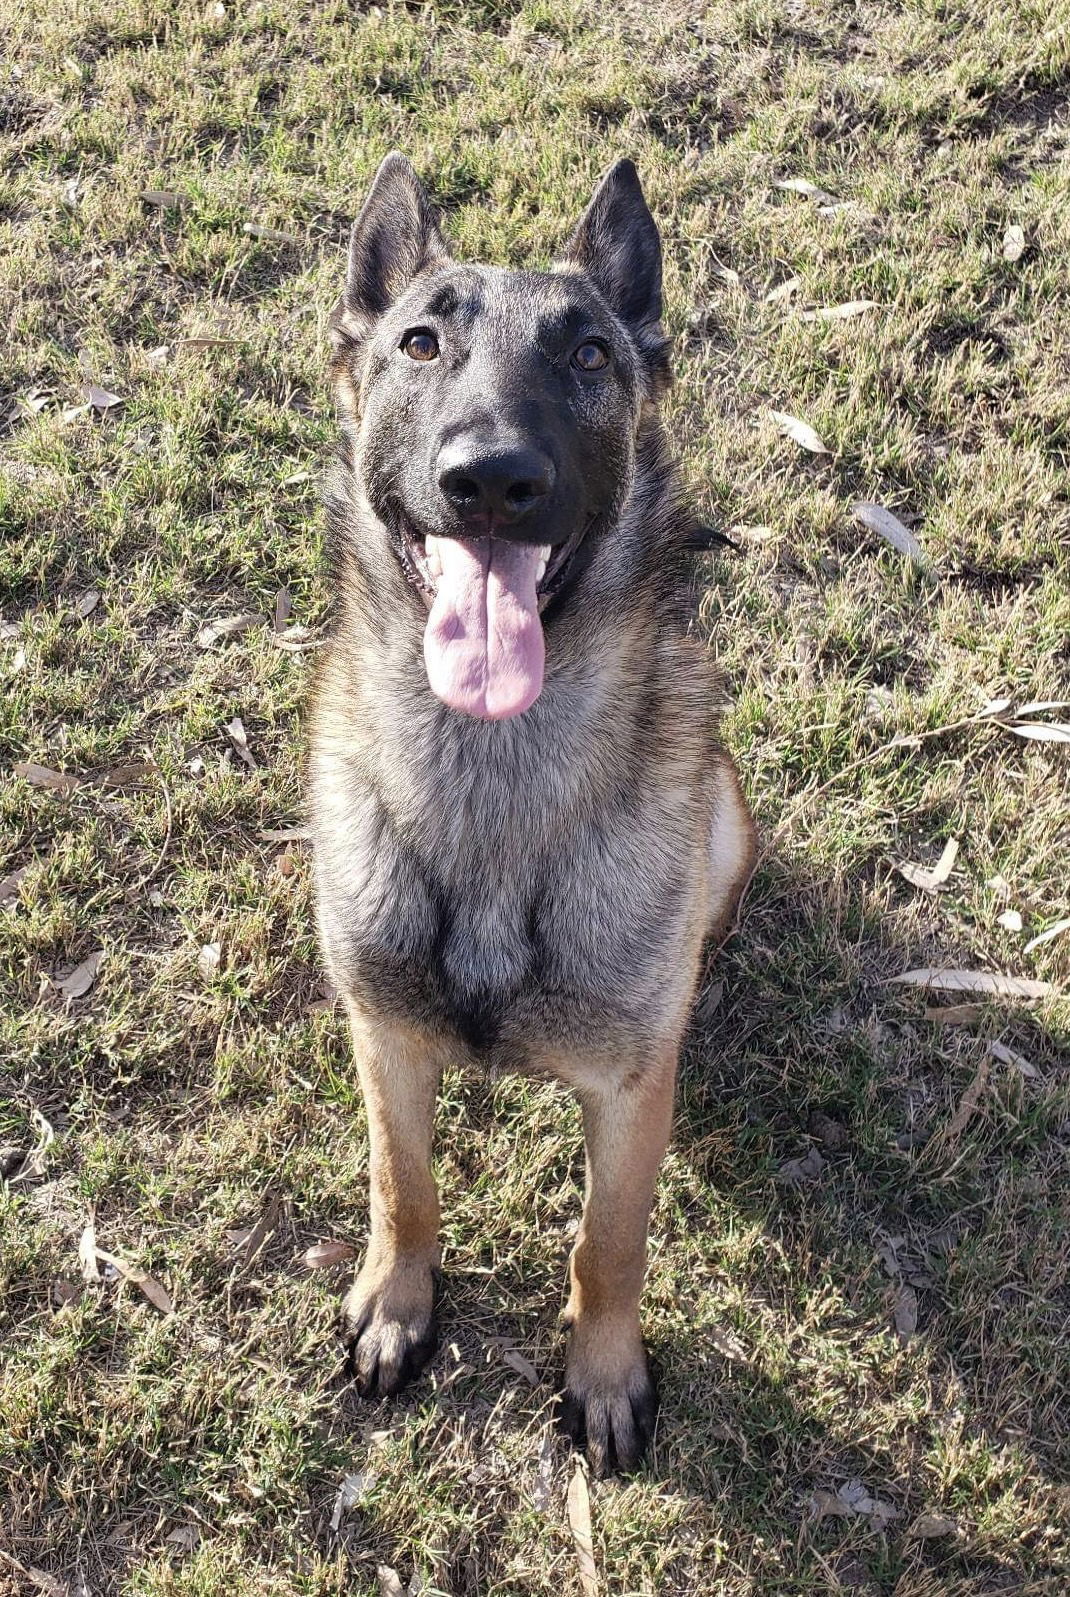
[(389, 1582), (1039, 706), (100, 399), (1010, 920), (226, 627), (252, 1240), (127, 775), (273, 234), (579, 1523), (208, 959), (48, 1583), (728, 1345), (824, 1504), (88, 602), (32, 1165), (905, 1312), (151, 1288), (44, 776), (932, 879), (87, 1252), (800, 432), (1014, 243), (542, 1492), (927, 1525), (809, 191), (516, 1361), (1034, 942), (968, 1103), (235, 731), (322, 1255), (352, 1489), (81, 978), (65, 1293), (955, 1014), (9, 885), (283, 606), (797, 1171), (1042, 731), (166, 199), (838, 313), (890, 528), (785, 290), (285, 834), (184, 1538), (857, 1500), (975, 981), (1007, 1056)]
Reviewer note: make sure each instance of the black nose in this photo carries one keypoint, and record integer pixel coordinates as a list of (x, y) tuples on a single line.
[(505, 483)]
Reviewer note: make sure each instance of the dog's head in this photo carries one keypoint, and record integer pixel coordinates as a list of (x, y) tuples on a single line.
[(495, 415)]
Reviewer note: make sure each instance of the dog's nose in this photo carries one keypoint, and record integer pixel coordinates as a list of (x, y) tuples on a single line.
[(504, 483)]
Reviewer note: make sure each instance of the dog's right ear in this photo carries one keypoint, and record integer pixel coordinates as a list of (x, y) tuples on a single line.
[(394, 237)]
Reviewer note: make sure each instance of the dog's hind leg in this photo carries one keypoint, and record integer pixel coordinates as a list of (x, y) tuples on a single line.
[(609, 1400), (388, 1316)]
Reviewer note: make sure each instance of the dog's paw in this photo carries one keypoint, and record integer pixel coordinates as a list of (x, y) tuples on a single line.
[(388, 1325), (609, 1403)]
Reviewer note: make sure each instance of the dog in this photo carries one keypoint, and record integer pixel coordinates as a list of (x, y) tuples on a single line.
[(525, 830)]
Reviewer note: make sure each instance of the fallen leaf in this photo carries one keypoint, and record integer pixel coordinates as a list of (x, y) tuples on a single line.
[(905, 1312), (128, 775), (88, 602), (832, 1134), (1040, 705), (975, 981), (48, 1583), (728, 1345), (516, 1361), (273, 234), (968, 1103), (283, 606), (1007, 1056), (1014, 243), (208, 959), (823, 1505), (928, 1525), (838, 313), (579, 1523), (955, 1014), (156, 1294), (888, 527), (932, 879), (1042, 731), (1010, 920), (235, 731), (31, 1165), (65, 1293), (322, 1255), (1034, 942), (857, 1500), (253, 1239), (800, 432), (226, 627), (81, 978), (44, 776), (87, 1252), (389, 1582), (542, 1491), (285, 834), (285, 864), (785, 290), (809, 191), (9, 885), (797, 1171), (100, 399), (351, 1491), (709, 1002), (165, 199), (184, 1538)]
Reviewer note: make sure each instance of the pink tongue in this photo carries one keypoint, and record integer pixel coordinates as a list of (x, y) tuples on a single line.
[(483, 644)]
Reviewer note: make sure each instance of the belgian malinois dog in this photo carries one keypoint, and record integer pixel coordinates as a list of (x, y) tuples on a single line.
[(525, 829)]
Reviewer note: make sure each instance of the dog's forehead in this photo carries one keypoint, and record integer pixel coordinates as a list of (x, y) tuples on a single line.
[(539, 303)]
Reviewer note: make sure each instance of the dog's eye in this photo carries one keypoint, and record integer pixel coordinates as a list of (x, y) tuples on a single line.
[(420, 345), (591, 356)]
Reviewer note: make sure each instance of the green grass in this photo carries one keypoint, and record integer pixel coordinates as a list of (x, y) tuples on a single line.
[(183, 1099)]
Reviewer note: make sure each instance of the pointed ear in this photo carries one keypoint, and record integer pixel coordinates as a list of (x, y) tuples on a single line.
[(394, 237), (617, 246)]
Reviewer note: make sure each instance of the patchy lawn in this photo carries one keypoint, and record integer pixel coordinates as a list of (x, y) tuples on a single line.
[(859, 1295)]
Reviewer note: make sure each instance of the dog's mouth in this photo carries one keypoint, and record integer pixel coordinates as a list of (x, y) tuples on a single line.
[(483, 642)]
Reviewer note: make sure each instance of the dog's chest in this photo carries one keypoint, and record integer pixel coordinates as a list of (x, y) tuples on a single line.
[(504, 916)]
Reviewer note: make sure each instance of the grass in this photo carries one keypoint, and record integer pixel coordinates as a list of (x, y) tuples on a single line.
[(201, 1454)]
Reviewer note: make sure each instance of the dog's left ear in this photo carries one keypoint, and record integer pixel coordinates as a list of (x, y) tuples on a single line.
[(617, 246), (394, 237)]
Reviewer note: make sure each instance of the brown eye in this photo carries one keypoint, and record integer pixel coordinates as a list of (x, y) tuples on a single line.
[(591, 356), (420, 345)]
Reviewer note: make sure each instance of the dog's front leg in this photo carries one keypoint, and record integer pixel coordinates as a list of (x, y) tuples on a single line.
[(609, 1399), (388, 1317)]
